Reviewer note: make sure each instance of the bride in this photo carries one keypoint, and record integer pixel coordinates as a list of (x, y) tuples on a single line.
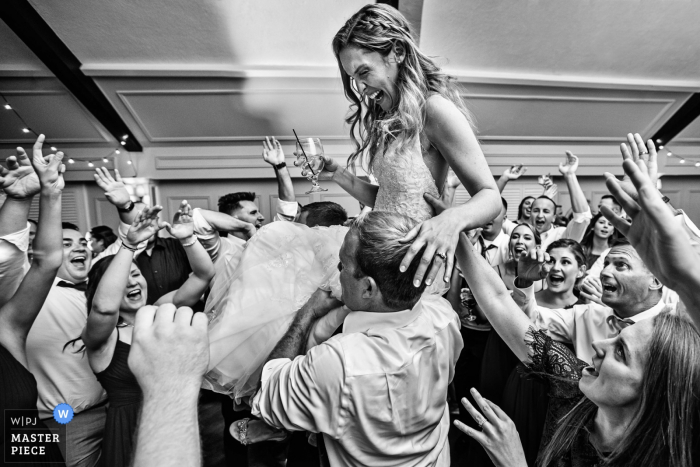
[(409, 125)]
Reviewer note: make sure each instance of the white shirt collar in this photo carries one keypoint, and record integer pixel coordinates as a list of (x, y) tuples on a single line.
[(650, 313), (361, 321)]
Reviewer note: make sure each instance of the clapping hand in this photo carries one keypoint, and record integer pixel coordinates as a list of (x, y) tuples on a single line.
[(534, 266), (19, 180), (183, 225), (114, 187), (570, 166), (498, 435), (514, 172), (145, 225), (272, 151)]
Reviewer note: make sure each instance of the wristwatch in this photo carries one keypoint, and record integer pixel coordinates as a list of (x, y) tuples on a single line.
[(281, 165), (129, 207)]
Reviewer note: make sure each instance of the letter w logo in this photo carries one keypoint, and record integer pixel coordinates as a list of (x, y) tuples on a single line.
[(63, 413)]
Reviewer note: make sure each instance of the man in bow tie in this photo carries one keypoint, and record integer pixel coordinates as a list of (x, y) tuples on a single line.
[(64, 376)]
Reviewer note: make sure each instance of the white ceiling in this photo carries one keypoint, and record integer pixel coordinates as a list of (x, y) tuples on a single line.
[(540, 75)]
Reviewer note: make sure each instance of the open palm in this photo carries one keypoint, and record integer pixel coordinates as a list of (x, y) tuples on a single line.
[(145, 225), (183, 223)]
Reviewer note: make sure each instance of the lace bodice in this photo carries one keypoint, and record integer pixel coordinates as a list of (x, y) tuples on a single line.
[(403, 178)]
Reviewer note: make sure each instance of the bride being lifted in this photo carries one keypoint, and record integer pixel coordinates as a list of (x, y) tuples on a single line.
[(410, 126)]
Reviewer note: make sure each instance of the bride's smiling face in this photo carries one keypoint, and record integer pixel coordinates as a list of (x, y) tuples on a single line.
[(374, 75)]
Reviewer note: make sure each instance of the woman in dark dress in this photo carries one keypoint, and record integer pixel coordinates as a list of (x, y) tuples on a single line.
[(598, 238), (525, 398), (116, 291), (641, 394), (20, 183)]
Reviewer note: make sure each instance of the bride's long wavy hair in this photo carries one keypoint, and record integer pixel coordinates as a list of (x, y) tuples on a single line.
[(381, 28)]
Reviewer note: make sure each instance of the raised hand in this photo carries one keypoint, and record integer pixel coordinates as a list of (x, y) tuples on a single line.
[(49, 169), (18, 180), (637, 151), (114, 187), (498, 435), (534, 266), (514, 172), (145, 225), (183, 224), (592, 289), (329, 166), (170, 350), (569, 167), (272, 151), (653, 232)]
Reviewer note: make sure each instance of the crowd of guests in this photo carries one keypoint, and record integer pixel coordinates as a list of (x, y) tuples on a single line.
[(569, 344)]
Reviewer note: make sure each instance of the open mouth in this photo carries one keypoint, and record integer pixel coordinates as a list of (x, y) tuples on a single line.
[(591, 371), (376, 96), (134, 295), (556, 279), (519, 249), (79, 260), (609, 288)]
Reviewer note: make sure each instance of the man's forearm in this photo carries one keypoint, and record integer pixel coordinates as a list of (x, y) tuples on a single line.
[(578, 198), (13, 215), (293, 342), (168, 430), (285, 188)]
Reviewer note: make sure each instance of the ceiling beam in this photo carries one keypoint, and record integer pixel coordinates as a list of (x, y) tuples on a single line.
[(684, 116), (31, 28)]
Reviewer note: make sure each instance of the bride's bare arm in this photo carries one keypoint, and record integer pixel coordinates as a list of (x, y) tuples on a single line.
[(364, 192), (449, 131)]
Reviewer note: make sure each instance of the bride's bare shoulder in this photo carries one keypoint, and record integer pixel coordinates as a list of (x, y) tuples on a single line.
[(440, 111)]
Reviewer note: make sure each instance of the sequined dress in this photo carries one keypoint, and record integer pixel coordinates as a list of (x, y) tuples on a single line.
[(284, 264)]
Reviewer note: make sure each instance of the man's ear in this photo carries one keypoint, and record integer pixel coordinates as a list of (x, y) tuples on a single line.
[(370, 289), (655, 284)]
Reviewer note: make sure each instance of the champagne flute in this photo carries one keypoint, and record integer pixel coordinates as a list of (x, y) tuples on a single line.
[(310, 158)]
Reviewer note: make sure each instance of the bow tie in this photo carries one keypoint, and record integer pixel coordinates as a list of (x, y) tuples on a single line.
[(82, 286), (618, 323)]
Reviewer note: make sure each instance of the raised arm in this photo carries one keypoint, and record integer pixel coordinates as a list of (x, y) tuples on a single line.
[(19, 313), (450, 132), (115, 191), (664, 248), (512, 173), (494, 298), (274, 155), (104, 313), (182, 228), (582, 213)]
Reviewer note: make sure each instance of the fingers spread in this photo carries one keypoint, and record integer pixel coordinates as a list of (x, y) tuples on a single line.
[(37, 147)]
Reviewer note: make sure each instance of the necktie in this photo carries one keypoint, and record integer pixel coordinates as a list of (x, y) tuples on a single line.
[(618, 324), (82, 286)]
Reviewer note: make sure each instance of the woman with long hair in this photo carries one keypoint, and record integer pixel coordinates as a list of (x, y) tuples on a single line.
[(599, 238), (636, 403), (523, 239), (525, 399), (525, 210), (409, 125), (116, 291)]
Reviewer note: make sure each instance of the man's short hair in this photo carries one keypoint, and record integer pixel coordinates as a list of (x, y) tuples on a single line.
[(611, 197), (504, 203), (104, 233), (549, 199), (325, 214), (379, 254), (70, 226), (232, 201)]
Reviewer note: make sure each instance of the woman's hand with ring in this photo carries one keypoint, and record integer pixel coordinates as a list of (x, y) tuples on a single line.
[(498, 434)]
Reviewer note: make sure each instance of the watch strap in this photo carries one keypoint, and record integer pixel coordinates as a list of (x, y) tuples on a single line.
[(281, 165), (129, 207)]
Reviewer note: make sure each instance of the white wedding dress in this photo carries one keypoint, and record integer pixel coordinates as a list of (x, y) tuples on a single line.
[(254, 300)]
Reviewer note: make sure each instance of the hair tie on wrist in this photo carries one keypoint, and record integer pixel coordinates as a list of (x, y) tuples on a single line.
[(194, 240), (126, 247)]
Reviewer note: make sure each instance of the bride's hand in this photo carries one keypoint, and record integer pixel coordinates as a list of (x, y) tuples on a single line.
[(329, 166), (439, 236)]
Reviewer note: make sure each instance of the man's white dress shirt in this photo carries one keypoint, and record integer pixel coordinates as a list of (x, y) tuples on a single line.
[(377, 391), (575, 229), (495, 251), (62, 376), (13, 262), (580, 325)]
